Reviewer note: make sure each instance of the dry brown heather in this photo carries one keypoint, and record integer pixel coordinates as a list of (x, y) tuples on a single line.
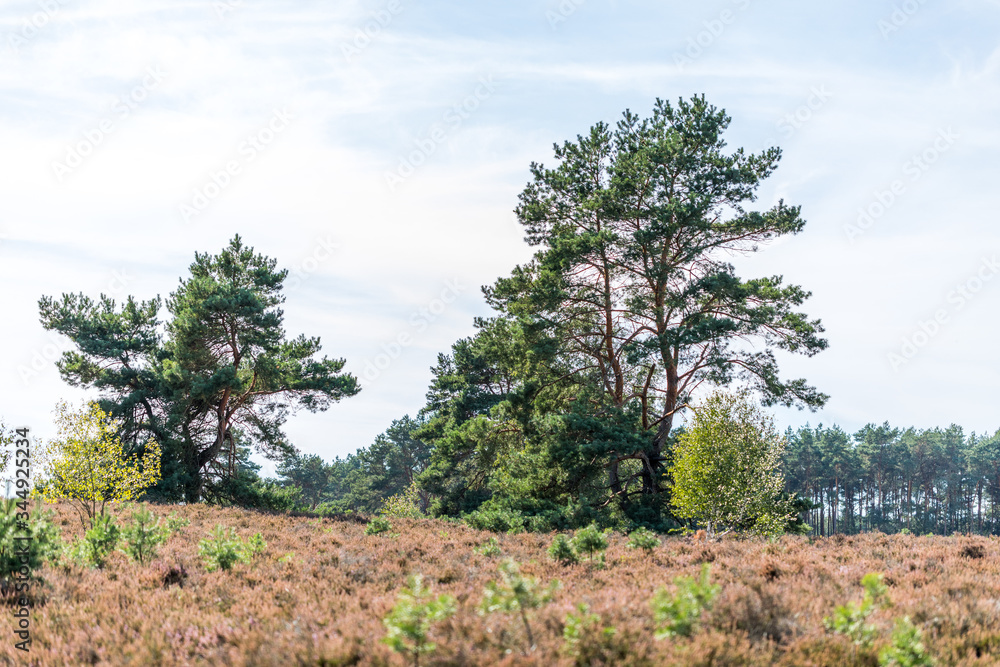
[(325, 606)]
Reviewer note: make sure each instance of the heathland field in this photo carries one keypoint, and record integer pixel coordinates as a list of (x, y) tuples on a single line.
[(318, 592)]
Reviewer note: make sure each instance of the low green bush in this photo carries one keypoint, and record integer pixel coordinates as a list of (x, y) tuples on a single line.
[(223, 549), (907, 648), (678, 613), (562, 550), (17, 522), (377, 526), (643, 538), (144, 536), (852, 619), (410, 620), (490, 548), (515, 594)]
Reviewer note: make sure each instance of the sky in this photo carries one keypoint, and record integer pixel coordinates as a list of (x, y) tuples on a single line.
[(377, 148)]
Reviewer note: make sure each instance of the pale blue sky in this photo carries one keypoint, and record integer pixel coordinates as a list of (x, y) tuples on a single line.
[(161, 96)]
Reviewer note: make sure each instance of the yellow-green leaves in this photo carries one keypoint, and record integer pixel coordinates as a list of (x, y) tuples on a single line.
[(726, 472), (87, 463)]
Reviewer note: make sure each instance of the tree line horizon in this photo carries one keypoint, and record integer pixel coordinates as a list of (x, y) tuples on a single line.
[(559, 411)]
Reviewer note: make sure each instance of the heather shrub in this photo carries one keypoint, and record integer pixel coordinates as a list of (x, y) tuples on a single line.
[(562, 550), (223, 549), (515, 594), (377, 526), (643, 538), (16, 522), (756, 611), (852, 619), (678, 614), (410, 621), (906, 648)]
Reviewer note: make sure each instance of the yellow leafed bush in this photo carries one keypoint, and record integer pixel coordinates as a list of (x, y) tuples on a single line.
[(87, 464)]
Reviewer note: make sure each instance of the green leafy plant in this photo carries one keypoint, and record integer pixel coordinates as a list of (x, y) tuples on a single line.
[(405, 505), (726, 470), (223, 549), (410, 621), (490, 548), (852, 619), (144, 536), (678, 614), (377, 526), (562, 550), (577, 627), (643, 538), (907, 648), (515, 594), (16, 521)]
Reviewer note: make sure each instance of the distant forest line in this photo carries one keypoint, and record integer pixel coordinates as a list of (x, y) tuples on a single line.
[(891, 479), (881, 478)]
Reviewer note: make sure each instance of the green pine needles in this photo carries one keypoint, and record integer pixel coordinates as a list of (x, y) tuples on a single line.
[(643, 538), (852, 619), (409, 623), (223, 549), (515, 594), (15, 554), (586, 544), (678, 613)]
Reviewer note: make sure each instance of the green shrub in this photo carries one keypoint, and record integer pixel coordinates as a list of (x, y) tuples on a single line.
[(377, 526), (98, 543), (562, 550), (15, 521), (144, 536), (516, 594), (175, 523), (592, 542), (223, 549), (679, 613), (496, 520), (643, 538), (409, 622), (490, 548), (907, 648), (405, 505), (587, 541), (251, 492), (852, 619), (254, 546)]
